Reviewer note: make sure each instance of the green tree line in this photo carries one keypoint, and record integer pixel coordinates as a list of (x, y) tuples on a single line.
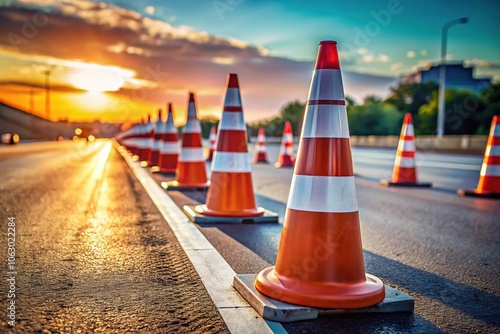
[(466, 112)]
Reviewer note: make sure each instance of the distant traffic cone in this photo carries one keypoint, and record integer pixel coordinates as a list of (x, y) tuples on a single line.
[(286, 150), (155, 149), (191, 171), (260, 148), (211, 139), (489, 179), (405, 168), (169, 148), (231, 190), (320, 256), (140, 140), (148, 140)]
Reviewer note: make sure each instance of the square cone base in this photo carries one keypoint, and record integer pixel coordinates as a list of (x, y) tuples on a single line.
[(196, 217), (174, 185), (387, 183), (275, 310), (473, 193)]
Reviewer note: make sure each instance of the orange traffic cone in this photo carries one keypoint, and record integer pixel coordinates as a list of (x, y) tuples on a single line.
[(169, 147), (140, 139), (155, 149), (148, 139), (320, 256), (231, 191), (191, 171), (489, 179), (286, 150), (260, 148), (405, 169), (211, 138)]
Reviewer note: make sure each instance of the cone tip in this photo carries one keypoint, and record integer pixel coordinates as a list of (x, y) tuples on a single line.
[(328, 57), (407, 119), (232, 80), (191, 97)]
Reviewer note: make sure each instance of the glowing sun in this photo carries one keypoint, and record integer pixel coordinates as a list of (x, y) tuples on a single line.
[(97, 80)]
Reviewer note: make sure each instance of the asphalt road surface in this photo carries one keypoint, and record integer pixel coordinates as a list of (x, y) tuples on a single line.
[(441, 249), (94, 254)]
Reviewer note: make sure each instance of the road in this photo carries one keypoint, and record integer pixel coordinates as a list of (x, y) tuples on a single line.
[(93, 254), (90, 254), (441, 249)]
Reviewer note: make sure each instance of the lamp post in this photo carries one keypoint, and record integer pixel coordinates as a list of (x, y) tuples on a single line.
[(442, 73)]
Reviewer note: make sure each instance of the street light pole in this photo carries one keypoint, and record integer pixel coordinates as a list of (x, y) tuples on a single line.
[(442, 73)]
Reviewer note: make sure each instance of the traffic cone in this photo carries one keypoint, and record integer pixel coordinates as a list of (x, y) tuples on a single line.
[(169, 147), (148, 140), (211, 138), (320, 256), (286, 150), (191, 171), (489, 177), (405, 169), (139, 140), (231, 190), (260, 148), (155, 147)]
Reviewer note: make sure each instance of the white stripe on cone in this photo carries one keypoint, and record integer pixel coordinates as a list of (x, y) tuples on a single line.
[(323, 193), (323, 87), (232, 121), (493, 150), (231, 162), (192, 126), (490, 170), (233, 98), (191, 154), (169, 148), (405, 162), (406, 145), (327, 121)]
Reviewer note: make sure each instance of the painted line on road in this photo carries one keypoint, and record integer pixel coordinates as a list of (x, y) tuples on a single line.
[(215, 273), (421, 163)]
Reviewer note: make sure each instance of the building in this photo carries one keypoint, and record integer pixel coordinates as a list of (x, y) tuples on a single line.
[(457, 76)]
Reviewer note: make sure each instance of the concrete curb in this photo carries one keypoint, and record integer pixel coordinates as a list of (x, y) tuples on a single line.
[(215, 273)]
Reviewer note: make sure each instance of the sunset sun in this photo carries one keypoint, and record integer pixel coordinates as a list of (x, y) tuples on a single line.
[(97, 80)]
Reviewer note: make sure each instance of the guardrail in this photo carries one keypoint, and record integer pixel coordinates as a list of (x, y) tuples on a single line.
[(459, 143)]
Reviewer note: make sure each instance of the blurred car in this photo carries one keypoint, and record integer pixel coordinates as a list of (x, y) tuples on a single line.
[(10, 138)]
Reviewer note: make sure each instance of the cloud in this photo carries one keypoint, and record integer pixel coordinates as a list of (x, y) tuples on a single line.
[(164, 61)]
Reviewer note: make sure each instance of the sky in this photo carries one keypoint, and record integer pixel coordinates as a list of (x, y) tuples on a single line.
[(121, 60)]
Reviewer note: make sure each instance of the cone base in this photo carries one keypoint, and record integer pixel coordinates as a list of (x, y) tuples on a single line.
[(202, 209), (261, 157), (175, 185), (475, 193), (284, 161), (198, 218), (387, 183), (322, 295), (275, 310), (156, 169)]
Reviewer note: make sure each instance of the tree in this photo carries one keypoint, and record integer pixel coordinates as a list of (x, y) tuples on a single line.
[(374, 118), (464, 113), (409, 97)]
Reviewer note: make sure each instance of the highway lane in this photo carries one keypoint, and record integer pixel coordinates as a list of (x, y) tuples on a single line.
[(93, 254), (441, 249)]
